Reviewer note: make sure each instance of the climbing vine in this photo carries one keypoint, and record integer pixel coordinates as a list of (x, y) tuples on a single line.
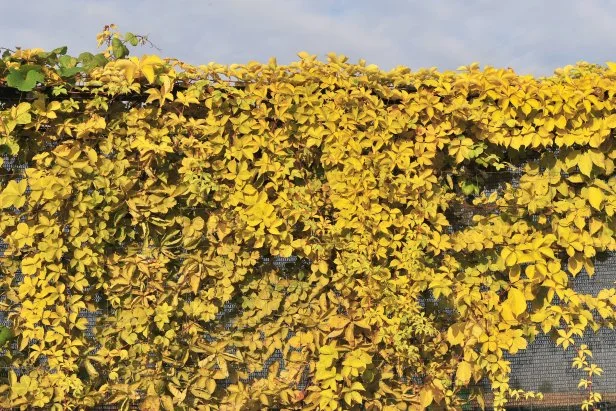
[(318, 235)]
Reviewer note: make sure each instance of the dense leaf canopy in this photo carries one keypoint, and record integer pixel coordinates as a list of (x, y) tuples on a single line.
[(388, 238)]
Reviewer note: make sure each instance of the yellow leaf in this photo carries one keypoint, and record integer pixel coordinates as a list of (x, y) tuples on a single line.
[(264, 400), (354, 362), (589, 266), (92, 372), (323, 267), (150, 403), (595, 197), (167, 403), (516, 301), (585, 163), (517, 344), (13, 194), (426, 397), (348, 398), (211, 385), (481, 401), (148, 64), (463, 375), (325, 374), (12, 378), (129, 67), (20, 113), (610, 121), (194, 283), (285, 251), (338, 321), (509, 256), (455, 334), (575, 264)]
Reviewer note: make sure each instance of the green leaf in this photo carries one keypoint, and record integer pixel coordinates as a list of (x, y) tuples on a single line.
[(52, 56), (69, 72), (24, 80), (90, 61), (100, 59), (85, 57), (67, 61), (5, 335), (368, 375), (60, 50), (469, 188), (131, 38), (118, 49), (9, 147)]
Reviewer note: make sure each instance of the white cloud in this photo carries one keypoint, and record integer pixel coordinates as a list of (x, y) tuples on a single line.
[(530, 36)]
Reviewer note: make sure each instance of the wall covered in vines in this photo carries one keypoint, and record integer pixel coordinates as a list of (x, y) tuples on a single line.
[(318, 235)]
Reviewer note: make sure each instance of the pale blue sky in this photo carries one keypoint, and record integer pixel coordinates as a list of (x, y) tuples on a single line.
[(531, 36)]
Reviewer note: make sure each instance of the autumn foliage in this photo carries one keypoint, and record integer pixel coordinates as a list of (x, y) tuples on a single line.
[(388, 237)]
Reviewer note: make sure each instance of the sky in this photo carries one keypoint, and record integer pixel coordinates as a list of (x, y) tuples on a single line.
[(530, 36)]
